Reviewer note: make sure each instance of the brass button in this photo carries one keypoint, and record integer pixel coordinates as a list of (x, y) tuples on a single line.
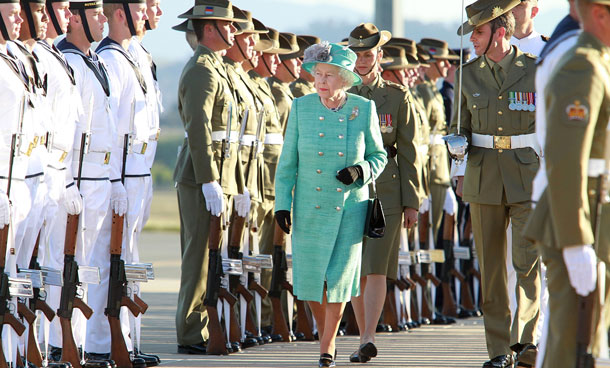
[(592, 192), (340, 136), (340, 154), (338, 208), (341, 120), (474, 106), (393, 176), (500, 129), (321, 118), (499, 112), (339, 190), (500, 151), (500, 97), (317, 207), (318, 189), (320, 153), (321, 135), (319, 171)]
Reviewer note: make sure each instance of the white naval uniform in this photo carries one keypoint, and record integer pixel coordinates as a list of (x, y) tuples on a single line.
[(532, 44), (12, 92), (95, 182), (544, 71), (126, 91), (27, 232)]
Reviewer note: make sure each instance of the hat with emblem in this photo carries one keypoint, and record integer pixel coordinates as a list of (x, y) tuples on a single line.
[(249, 26), (437, 49), (332, 54), (410, 48), (239, 14), (211, 9), (394, 58), (423, 57), (282, 43), (484, 11), (366, 36), (294, 46), (303, 43), (262, 40)]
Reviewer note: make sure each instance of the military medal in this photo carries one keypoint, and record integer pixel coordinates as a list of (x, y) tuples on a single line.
[(382, 123), (389, 126), (512, 101), (520, 103), (532, 105)]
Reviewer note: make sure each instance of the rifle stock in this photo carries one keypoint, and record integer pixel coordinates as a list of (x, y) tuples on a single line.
[(465, 292), (304, 322), (69, 352), (258, 288), (217, 344), (118, 349), (141, 303), (390, 315), (278, 280)]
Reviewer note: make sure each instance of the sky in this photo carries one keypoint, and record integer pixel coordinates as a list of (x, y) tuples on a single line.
[(334, 18)]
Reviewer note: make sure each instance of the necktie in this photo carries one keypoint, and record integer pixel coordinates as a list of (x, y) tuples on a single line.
[(367, 92), (497, 72)]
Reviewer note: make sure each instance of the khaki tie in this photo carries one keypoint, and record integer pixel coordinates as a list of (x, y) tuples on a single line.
[(367, 92), (498, 76)]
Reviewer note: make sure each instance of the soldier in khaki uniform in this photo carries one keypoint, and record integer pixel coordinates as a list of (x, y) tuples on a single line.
[(304, 85), (565, 224), (267, 52), (397, 186), (206, 104), (497, 118), (288, 71)]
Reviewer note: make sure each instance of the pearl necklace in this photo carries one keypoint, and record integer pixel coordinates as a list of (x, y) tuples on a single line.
[(335, 109)]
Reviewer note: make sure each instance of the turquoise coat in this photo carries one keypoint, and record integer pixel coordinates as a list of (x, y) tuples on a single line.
[(328, 216)]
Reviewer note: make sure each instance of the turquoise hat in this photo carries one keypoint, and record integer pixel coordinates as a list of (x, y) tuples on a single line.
[(333, 54)]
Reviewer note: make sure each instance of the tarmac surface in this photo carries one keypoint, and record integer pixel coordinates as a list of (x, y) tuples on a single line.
[(459, 345)]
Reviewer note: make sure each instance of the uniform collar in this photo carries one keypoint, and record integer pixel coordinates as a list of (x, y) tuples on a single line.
[(533, 35), (505, 62)]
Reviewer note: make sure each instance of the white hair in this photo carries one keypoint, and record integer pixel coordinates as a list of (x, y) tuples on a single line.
[(348, 78)]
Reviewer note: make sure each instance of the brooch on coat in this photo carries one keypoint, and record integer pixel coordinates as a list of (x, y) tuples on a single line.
[(355, 113)]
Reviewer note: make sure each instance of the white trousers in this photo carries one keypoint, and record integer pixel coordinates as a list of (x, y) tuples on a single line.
[(98, 329)]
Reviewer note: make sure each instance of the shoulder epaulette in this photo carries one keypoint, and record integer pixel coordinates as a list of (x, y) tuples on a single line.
[(396, 86), (471, 61), (545, 38)]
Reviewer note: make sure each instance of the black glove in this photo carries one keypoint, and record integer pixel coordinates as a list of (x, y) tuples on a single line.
[(350, 174), (283, 220)]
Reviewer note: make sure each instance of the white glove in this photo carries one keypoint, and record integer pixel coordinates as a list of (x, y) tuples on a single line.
[(425, 206), (5, 211), (214, 200), (72, 201), (581, 262), (242, 203), (118, 198)]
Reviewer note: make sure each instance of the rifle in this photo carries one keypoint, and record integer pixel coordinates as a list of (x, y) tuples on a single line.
[(6, 317), (278, 281), (304, 324), (217, 344)]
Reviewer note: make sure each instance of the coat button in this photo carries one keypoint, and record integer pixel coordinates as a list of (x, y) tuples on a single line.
[(318, 189), (339, 190), (320, 153), (340, 136), (393, 176), (474, 106), (321, 135), (341, 120), (319, 171), (338, 208), (317, 207), (321, 118), (340, 154), (500, 150), (499, 97), (499, 112), (500, 129)]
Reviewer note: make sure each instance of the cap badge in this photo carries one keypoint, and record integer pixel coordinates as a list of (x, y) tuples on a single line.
[(519, 63), (497, 11), (209, 10)]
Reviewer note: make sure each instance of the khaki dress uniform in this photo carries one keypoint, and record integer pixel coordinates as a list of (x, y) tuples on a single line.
[(438, 164), (301, 87), (204, 98), (398, 184), (501, 166), (576, 153), (423, 142), (283, 98)]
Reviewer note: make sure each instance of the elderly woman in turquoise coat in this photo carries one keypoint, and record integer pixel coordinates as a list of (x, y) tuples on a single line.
[(332, 151)]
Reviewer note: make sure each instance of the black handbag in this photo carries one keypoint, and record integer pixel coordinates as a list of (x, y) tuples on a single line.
[(374, 227)]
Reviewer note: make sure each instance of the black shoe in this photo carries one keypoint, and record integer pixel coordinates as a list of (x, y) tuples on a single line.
[(266, 338), (236, 346), (156, 357), (276, 337), (198, 349), (424, 321), (326, 360), (59, 365), (149, 360), (97, 356), (501, 361), (340, 332), (526, 358), (54, 354), (356, 358), (249, 342), (97, 363), (138, 363), (367, 351)]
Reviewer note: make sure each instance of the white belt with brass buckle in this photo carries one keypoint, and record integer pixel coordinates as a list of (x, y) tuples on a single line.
[(274, 138), (506, 142), (57, 155), (220, 135), (597, 167), (95, 157), (437, 139)]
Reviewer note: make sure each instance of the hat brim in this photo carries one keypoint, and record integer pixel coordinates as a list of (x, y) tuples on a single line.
[(308, 66), (468, 28), (384, 37), (182, 27), (189, 14)]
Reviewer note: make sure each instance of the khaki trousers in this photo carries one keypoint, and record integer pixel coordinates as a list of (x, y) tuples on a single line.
[(267, 214), (191, 314), (489, 223)]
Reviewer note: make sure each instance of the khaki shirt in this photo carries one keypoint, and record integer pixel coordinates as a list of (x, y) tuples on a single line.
[(283, 99), (204, 98), (398, 185), (494, 173), (301, 87), (423, 142), (578, 117)]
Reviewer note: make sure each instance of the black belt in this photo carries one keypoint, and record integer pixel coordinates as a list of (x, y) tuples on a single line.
[(391, 151)]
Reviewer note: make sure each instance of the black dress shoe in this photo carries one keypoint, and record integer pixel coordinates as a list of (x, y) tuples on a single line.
[(236, 346), (54, 354), (276, 337), (326, 360), (501, 361), (156, 357), (367, 351), (356, 358), (526, 358), (138, 363), (150, 361), (94, 363), (424, 321), (249, 342), (198, 349), (59, 365)]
